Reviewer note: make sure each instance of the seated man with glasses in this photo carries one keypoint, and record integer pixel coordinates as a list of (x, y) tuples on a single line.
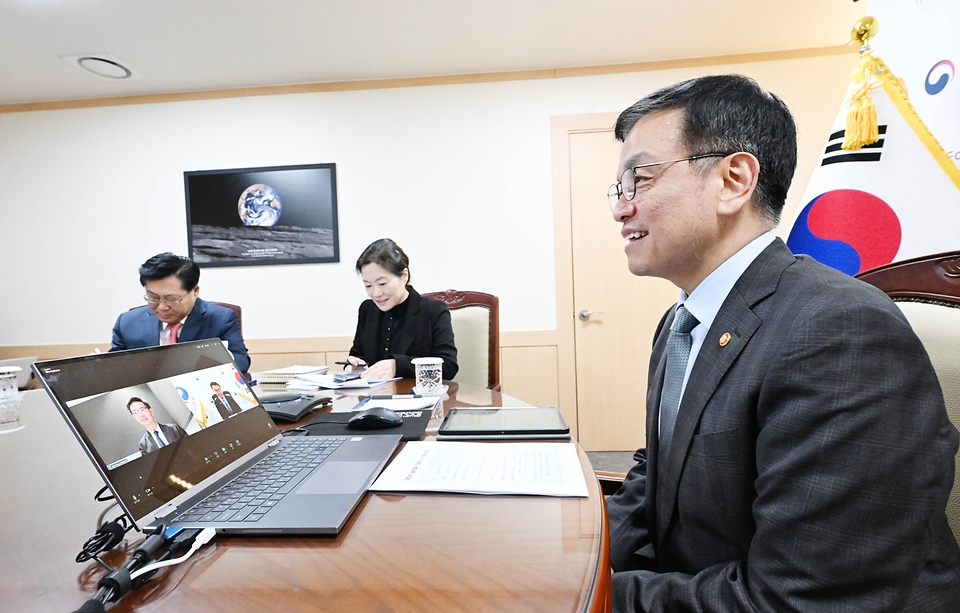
[(798, 452), (176, 313)]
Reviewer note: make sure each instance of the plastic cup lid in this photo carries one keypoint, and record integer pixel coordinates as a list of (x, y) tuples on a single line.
[(426, 361)]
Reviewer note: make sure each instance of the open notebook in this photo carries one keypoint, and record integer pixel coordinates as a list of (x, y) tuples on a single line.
[(182, 440)]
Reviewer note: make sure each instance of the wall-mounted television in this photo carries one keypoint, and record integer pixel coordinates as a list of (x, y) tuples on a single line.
[(258, 216)]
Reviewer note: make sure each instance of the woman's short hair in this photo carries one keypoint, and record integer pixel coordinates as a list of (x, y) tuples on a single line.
[(386, 253)]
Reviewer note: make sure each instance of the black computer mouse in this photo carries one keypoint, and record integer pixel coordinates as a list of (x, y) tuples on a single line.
[(376, 418)]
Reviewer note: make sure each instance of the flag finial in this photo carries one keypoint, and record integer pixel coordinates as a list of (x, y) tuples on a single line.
[(864, 29)]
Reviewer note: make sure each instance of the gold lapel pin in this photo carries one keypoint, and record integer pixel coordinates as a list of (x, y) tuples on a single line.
[(724, 339)]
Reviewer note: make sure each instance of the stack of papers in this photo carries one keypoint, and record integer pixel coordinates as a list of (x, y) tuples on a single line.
[(313, 382), (276, 380)]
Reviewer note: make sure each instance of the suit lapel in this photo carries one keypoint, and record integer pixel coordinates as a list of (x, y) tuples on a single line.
[(191, 330), (146, 326), (714, 360), (411, 324), (658, 364), (370, 332)]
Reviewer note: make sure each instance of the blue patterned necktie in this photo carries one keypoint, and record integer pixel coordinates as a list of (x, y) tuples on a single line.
[(678, 352), (156, 434)]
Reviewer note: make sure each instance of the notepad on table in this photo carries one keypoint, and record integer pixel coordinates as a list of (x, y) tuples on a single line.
[(276, 380)]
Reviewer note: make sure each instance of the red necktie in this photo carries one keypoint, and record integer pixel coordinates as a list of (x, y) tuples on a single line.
[(174, 332)]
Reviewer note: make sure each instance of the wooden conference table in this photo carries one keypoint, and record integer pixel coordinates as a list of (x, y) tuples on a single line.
[(416, 552)]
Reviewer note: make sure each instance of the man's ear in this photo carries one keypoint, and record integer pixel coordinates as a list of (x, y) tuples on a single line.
[(739, 174)]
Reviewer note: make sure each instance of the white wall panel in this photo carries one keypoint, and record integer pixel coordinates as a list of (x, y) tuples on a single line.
[(459, 175)]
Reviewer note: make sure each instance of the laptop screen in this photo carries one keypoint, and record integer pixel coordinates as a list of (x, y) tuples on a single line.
[(158, 421)]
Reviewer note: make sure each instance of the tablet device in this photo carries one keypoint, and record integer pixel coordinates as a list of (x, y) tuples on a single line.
[(501, 423)]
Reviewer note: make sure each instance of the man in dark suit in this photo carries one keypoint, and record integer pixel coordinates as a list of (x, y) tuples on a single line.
[(175, 313), (800, 459), (157, 435), (224, 401)]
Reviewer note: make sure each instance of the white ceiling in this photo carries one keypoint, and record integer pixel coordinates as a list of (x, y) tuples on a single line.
[(195, 45)]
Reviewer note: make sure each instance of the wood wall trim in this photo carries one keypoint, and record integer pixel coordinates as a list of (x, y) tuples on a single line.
[(519, 75), (51, 352), (532, 338), (263, 346), (299, 345)]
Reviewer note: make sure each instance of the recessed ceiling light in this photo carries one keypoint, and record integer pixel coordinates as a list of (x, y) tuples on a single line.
[(103, 66)]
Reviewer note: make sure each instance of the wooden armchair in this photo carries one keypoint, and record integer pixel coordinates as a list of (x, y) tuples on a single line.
[(233, 308), (610, 482), (476, 329), (927, 290)]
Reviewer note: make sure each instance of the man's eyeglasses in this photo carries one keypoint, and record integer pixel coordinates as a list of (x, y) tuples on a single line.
[(140, 411), (627, 186), (167, 300)]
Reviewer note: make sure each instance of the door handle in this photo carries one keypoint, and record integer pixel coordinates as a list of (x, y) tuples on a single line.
[(584, 315)]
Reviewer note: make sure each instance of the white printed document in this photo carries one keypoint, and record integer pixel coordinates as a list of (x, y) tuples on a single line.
[(541, 469)]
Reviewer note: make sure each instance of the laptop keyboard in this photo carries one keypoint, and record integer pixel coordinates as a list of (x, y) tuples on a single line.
[(252, 494)]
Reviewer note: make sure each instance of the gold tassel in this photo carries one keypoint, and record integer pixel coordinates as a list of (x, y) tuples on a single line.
[(862, 126), (872, 73)]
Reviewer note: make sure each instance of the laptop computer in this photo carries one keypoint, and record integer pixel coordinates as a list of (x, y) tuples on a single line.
[(176, 452)]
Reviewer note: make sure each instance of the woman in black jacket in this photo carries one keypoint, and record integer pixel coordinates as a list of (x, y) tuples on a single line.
[(397, 324)]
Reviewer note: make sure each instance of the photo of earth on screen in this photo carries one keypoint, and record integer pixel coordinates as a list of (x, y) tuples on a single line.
[(250, 216)]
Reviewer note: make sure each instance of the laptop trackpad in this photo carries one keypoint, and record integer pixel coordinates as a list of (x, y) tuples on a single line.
[(338, 478)]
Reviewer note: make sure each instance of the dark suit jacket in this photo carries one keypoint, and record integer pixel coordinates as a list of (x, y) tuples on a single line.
[(171, 432), (141, 328), (226, 409), (810, 466), (425, 332)]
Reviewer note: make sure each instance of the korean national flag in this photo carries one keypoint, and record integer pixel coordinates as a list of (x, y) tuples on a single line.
[(898, 198)]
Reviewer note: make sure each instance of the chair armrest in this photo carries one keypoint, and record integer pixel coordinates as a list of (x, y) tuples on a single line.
[(610, 482)]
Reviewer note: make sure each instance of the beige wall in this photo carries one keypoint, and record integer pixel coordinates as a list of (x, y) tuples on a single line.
[(490, 227)]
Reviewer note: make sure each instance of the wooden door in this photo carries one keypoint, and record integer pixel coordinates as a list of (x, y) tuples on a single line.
[(612, 346)]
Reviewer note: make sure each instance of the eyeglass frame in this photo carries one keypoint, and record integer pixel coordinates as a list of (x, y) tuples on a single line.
[(618, 186), (167, 301)]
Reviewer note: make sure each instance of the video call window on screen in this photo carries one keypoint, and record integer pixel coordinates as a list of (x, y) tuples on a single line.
[(126, 424), (206, 414)]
